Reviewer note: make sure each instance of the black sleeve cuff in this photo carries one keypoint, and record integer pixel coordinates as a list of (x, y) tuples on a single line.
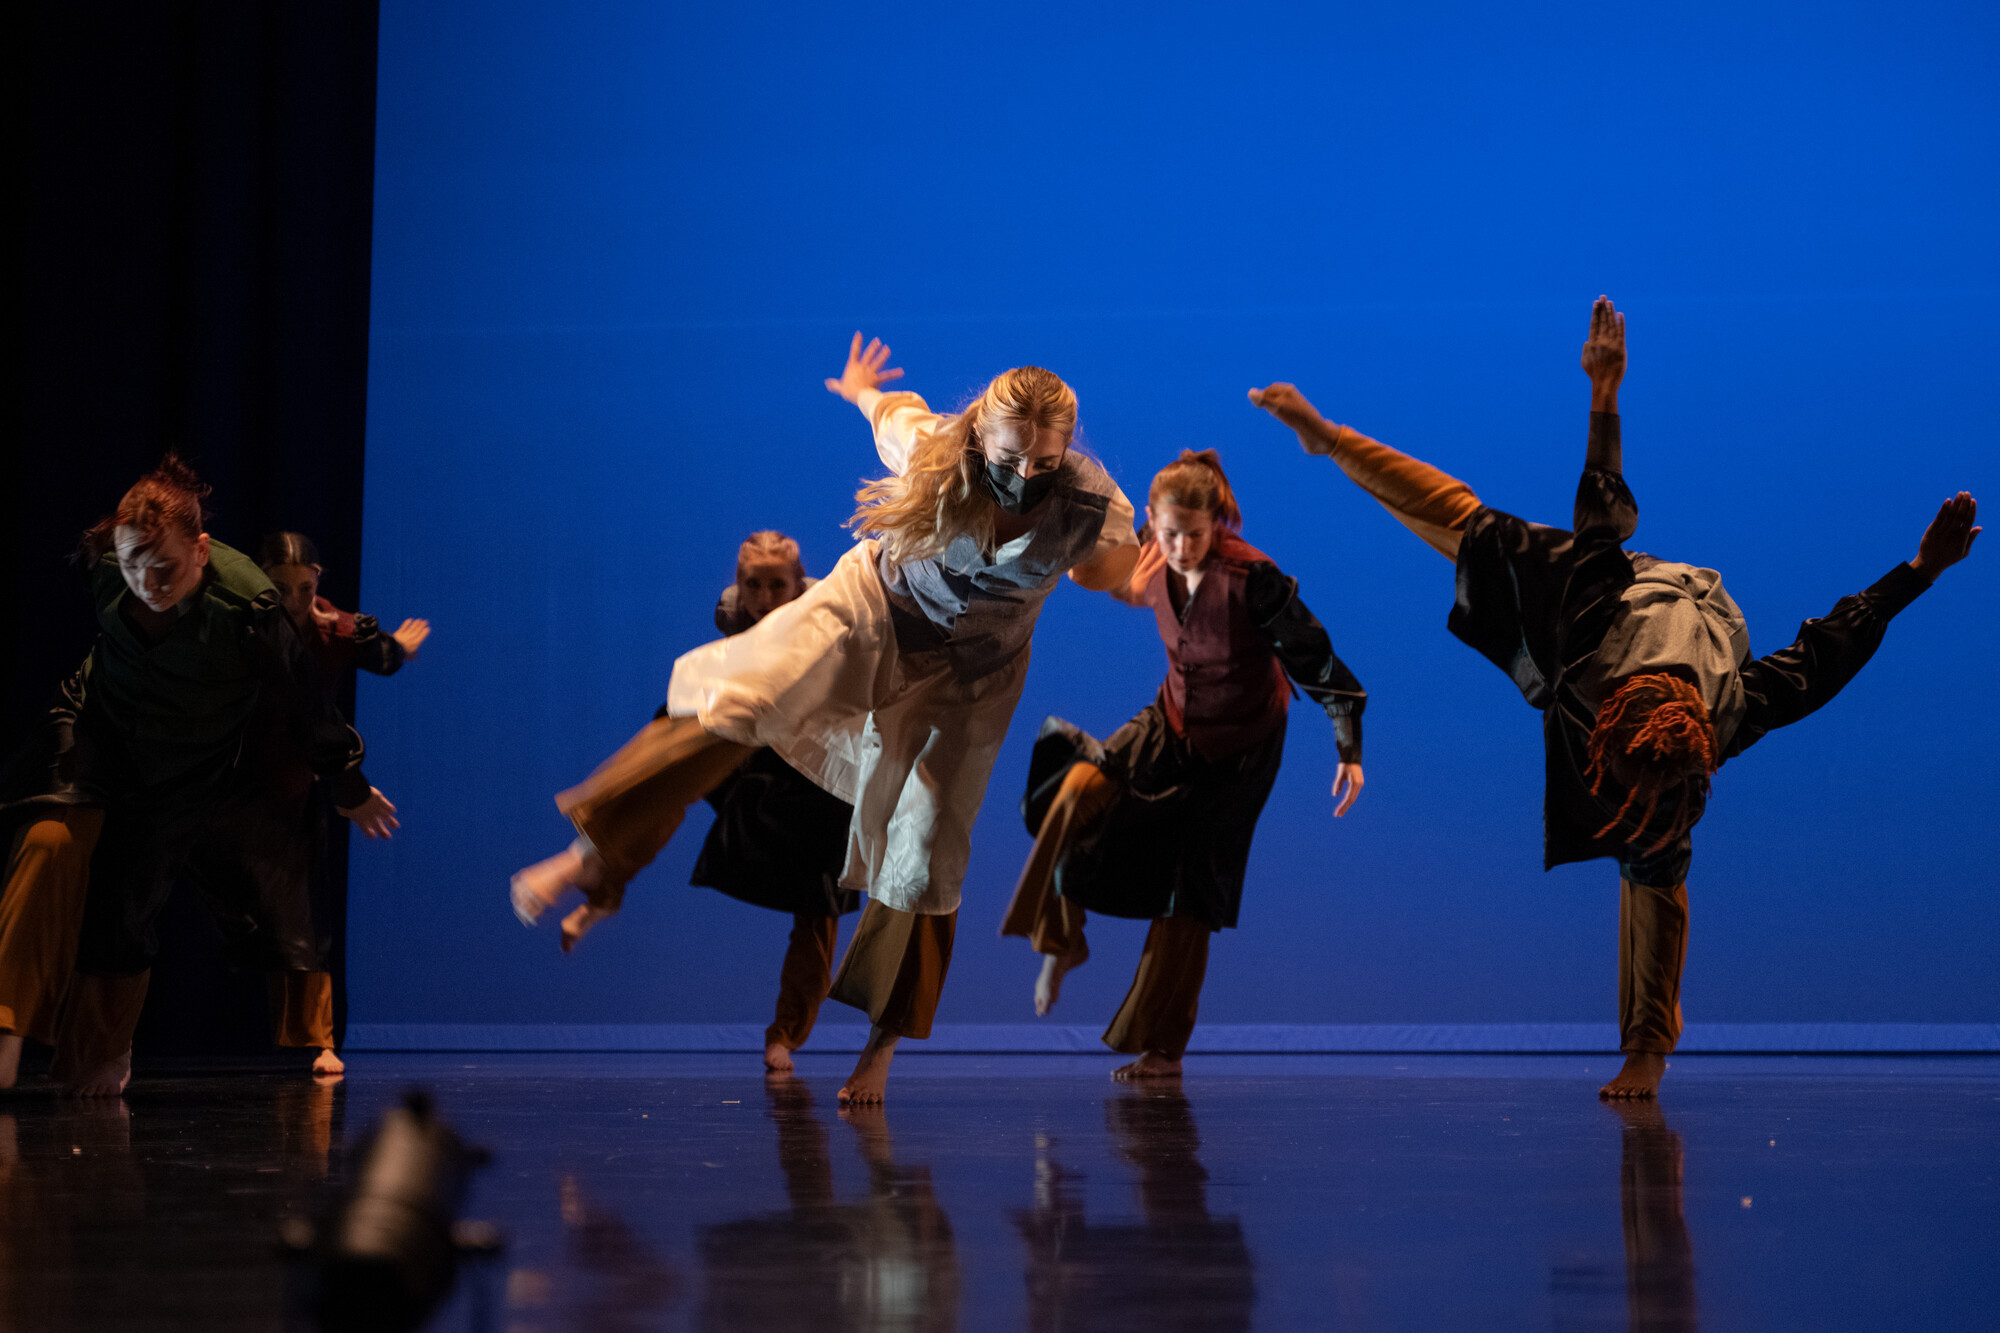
[(1898, 588), (1347, 738), (1606, 451), (349, 789)]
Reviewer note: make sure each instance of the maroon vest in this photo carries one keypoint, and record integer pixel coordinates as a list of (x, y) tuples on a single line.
[(1225, 690)]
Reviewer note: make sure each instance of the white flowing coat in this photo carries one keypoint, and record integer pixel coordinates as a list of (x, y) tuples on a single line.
[(900, 736)]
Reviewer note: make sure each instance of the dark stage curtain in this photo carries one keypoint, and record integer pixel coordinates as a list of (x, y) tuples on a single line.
[(194, 188)]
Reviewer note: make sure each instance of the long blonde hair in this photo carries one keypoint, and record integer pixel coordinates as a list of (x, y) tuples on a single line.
[(939, 496)]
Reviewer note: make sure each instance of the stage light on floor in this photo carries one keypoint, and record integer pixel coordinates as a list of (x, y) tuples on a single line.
[(386, 1250)]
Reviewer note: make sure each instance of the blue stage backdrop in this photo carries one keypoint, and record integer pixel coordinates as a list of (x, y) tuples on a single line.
[(618, 246)]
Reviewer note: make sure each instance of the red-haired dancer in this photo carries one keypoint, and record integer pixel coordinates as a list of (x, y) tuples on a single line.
[(1641, 667), (1156, 822), (141, 763)]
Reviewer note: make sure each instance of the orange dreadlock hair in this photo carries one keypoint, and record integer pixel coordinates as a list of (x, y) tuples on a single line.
[(1661, 721)]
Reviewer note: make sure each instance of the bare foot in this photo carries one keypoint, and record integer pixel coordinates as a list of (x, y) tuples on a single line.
[(107, 1080), (328, 1065), (10, 1058), (778, 1058), (578, 923), (869, 1082), (1150, 1065), (1638, 1079), (1048, 986), (539, 887)]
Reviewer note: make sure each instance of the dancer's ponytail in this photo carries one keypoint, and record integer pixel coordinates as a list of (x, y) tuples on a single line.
[(1196, 481)]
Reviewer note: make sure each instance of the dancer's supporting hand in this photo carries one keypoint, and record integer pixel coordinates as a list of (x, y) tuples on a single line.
[(411, 635), (1949, 538), (374, 816), (1349, 777), (1316, 434), (864, 369), (1604, 355), (1152, 560)]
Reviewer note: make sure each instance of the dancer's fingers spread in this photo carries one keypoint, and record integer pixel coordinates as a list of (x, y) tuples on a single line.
[(895, 373)]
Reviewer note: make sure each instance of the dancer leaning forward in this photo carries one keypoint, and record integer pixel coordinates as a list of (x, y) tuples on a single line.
[(1156, 822), (1641, 667), (890, 683)]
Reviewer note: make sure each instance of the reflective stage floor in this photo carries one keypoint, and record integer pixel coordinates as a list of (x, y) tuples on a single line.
[(1030, 1192)]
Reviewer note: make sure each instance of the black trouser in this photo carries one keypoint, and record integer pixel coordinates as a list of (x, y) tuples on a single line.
[(249, 855)]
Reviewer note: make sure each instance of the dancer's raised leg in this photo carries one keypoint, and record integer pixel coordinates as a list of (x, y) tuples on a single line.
[(626, 812), (1431, 503), (1054, 925)]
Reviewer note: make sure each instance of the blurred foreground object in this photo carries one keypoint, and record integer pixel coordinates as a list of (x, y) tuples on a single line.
[(386, 1250)]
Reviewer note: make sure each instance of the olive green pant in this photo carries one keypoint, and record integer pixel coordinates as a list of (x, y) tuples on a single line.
[(895, 967)]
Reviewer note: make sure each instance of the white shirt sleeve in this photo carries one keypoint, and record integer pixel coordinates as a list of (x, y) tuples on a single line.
[(1117, 529), (900, 419)]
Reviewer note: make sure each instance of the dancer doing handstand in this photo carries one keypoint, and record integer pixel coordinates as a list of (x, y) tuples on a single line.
[(890, 683), (1641, 667), (779, 840), (1156, 822)]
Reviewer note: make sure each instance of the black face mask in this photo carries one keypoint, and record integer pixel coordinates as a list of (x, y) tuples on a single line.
[(1014, 493)]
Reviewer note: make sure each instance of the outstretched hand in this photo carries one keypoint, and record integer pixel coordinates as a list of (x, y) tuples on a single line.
[(1949, 538), (411, 635), (864, 369), (1287, 404), (1604, 355), (375, 816), (1347, 776)]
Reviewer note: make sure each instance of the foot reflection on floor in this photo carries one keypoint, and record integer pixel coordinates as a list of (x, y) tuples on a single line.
[(1175, 1267), (1027, 1193), (883, 1260)]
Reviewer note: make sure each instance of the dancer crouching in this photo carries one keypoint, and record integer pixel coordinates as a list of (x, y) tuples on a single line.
[(890, 683), (1641, 668), (1156, 823)]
